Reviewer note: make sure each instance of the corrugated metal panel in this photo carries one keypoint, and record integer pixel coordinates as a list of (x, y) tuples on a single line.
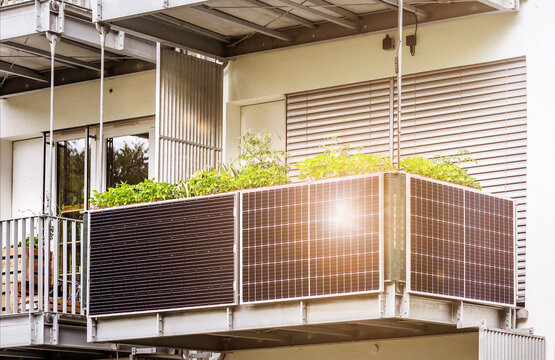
[(481, 108), (504, 345), (159, 256), (189, 120)]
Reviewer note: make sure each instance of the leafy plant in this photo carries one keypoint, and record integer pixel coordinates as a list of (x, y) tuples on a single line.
[(262, 166), (336, 161), (446, 168), (146, 191), (211, 181)]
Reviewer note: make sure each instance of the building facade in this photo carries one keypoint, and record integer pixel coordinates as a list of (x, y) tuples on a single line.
[(480, 82)]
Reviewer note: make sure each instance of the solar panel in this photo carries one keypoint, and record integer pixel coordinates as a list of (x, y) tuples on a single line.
[(164, 255), (461, 243), (308, 240)]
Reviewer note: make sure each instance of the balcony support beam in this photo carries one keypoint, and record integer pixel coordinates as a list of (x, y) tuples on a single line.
[(300, 20), (65, 60), (394, 4), (22, 71), (341, 22), (244, 23), (336, 9)]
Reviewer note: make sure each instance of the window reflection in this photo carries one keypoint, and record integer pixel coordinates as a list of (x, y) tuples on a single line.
[(127, 160), (70, 166)]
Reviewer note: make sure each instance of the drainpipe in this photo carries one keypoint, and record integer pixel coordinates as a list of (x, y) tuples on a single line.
[(398, 69), (54, 39), (103, 30)]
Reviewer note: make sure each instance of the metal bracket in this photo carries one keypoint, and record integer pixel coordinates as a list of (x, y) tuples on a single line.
[(166, 4), (54, 330), (32, 328), (120, 44), (302, 306), (93, 328), (60, 19), (460, 314), (38, 15), (160, 323), (229, 316), (96, 10)]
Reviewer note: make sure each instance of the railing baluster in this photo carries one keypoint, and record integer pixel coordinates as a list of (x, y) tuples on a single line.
[(47, 236), (15, 269), (23, 238), (55, 260), (73, 265), (31, 224), (82, 267), (40, 270), (64, 266)]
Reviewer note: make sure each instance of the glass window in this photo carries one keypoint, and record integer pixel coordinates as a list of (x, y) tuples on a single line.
[(70, 171), (127, 160)]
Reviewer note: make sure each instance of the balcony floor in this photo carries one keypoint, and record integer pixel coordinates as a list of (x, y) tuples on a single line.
[(315, 321)]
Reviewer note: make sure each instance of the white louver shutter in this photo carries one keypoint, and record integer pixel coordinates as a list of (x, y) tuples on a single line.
[(481, 108), (356, 114)]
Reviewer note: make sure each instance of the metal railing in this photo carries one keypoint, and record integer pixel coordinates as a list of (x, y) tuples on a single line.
[(42, 265), (82, 3)]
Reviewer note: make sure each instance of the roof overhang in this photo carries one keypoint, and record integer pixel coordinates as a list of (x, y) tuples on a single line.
[(230, 28)]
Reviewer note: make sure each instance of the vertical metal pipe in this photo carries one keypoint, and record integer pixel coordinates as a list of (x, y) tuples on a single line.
[(399, 79), (391, 120), (86, 171), (43, 173), (102, 30), (53, 41)]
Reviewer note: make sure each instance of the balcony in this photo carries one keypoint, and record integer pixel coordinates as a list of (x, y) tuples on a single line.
[(368, 257), (41, 288)]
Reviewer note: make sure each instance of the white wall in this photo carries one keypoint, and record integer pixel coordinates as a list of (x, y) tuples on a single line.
[(261, 79), (27, 175), (444, 347), (5, 178)]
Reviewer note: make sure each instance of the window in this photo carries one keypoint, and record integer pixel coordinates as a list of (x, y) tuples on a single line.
[(71, 177), (127, 159)]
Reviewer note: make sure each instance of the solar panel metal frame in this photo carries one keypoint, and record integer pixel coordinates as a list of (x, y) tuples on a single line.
[(236, 196), (380, 240), (409, 247)]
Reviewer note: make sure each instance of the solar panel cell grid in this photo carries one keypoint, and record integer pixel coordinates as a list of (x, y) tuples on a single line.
[(461, 243), (311, 240)]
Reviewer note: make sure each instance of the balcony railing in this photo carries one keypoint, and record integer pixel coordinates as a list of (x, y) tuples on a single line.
[(41, 265), (82, 3)]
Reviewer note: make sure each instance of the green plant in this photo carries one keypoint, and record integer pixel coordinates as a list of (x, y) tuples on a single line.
[(445, 168), (146, 191), (211, 181), (336, 161)]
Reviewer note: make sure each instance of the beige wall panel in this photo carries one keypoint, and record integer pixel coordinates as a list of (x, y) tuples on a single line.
[(451, 347), (268, 116)]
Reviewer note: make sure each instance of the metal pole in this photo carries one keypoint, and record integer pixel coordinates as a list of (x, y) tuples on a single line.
[(43, 173), (53, 41), (399, 68), (102, 29), (86, 170)]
